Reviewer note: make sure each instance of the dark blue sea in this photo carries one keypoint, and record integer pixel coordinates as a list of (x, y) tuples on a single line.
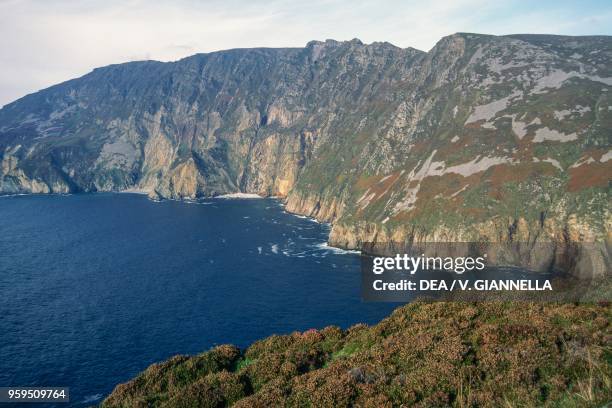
[(96, 287)]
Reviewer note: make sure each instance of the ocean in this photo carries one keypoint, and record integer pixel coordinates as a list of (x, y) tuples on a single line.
[(96, 287)]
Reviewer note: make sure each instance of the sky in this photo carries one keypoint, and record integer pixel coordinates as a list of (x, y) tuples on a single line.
[(44, 42)]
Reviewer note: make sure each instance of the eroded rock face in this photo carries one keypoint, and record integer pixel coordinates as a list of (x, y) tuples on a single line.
[(483, 137)]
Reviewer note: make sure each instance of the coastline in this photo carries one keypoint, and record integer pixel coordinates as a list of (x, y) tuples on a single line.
[(243, 196), (133, 190), (593, 257), (229, 196)]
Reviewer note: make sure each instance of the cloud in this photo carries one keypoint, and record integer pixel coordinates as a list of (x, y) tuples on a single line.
[(48, 41)]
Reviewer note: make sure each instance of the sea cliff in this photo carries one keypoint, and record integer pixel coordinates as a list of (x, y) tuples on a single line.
[(499, 138)]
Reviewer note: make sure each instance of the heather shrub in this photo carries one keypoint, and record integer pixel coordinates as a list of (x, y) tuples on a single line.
[(422, 355), (159, 380)]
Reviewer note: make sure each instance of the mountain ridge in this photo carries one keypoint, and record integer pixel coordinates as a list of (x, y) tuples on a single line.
[(484, 137), (524, 37)]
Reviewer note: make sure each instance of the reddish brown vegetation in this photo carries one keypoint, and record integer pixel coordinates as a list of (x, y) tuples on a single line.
[(590, 175), (438, 354)]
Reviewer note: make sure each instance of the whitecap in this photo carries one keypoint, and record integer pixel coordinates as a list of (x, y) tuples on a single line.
[(92, 398), (325, 247)]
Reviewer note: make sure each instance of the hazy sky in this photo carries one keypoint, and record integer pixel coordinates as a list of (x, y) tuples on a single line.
[(43, 42)]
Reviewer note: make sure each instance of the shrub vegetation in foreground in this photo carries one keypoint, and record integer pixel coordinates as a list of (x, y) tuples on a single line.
[(423, 355)]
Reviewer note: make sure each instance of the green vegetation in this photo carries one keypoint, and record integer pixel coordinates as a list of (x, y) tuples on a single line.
[(424, 354)]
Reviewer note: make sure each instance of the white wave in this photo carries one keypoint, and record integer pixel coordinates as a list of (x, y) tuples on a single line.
[(92, 398), (195, 202), (325, 247), (13, 195), (274, 248), (305, 217)]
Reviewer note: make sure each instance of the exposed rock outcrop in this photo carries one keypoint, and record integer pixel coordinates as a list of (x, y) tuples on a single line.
[(483, 137)]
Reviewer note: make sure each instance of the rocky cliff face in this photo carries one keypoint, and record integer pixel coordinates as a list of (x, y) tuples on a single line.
[(483, 137)]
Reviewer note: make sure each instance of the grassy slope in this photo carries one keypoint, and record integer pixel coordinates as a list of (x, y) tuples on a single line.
[(424, 354)]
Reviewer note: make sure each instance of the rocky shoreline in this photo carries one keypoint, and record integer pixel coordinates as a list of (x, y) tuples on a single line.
[(483, 138), (594, 257)]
